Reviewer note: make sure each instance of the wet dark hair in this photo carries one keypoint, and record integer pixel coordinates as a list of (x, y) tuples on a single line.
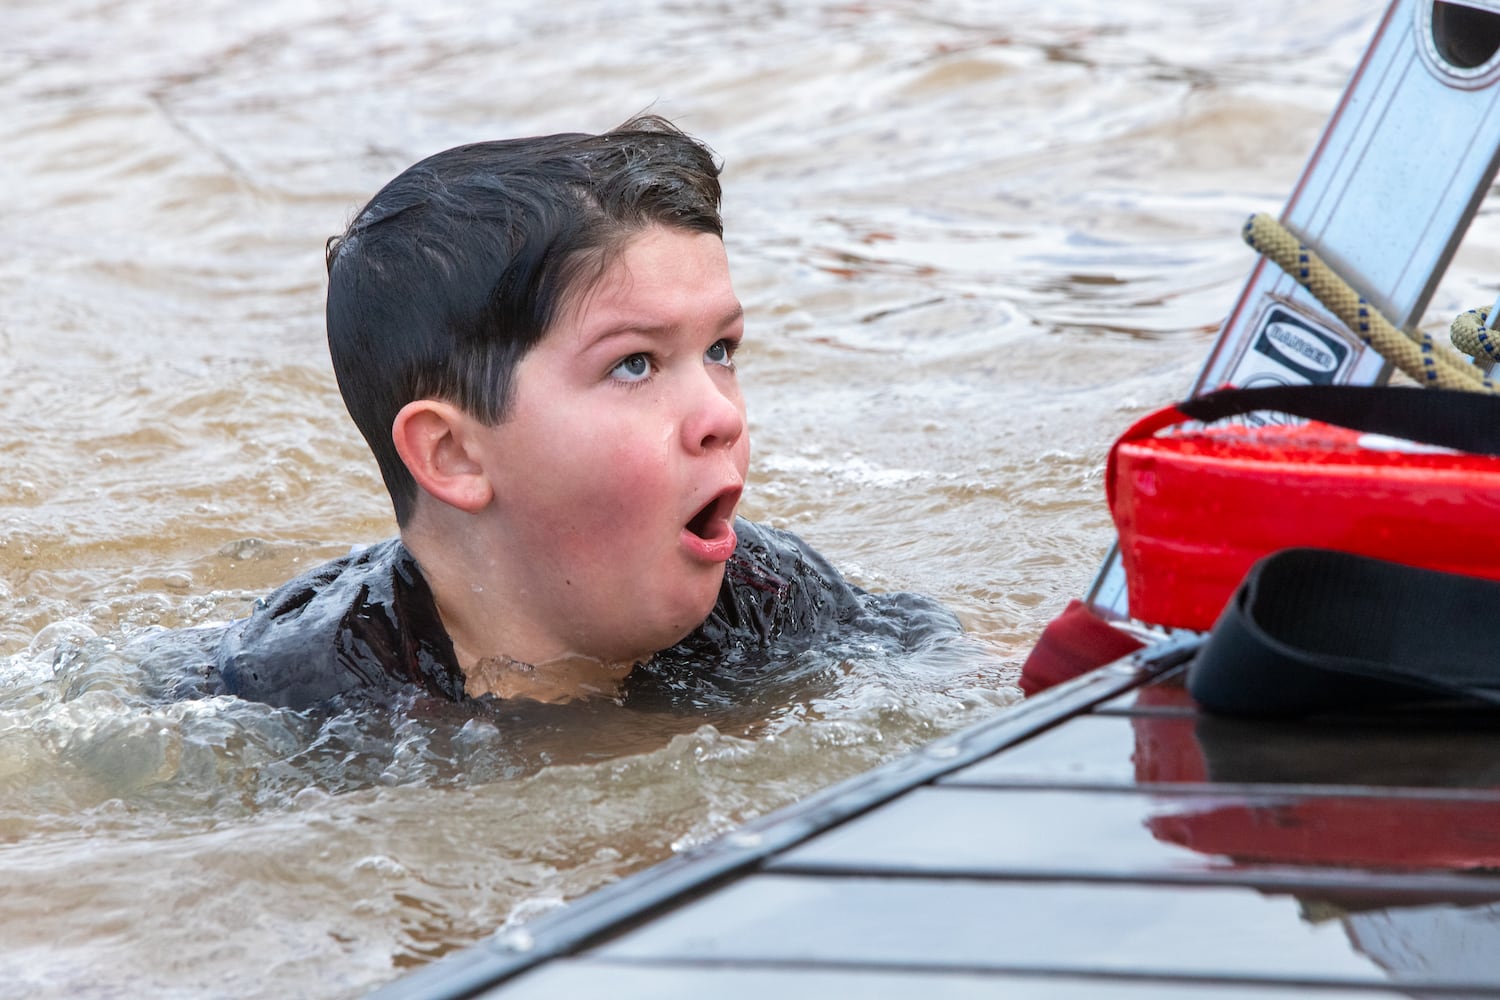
[(456, 268)]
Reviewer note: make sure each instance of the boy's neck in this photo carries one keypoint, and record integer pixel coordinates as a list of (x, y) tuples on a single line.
[(558, 680), (495, 651)]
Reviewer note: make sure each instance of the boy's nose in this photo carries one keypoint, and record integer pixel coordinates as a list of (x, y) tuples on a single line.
[(717, 419)]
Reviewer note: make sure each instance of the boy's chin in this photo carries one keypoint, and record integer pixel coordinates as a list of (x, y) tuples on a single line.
[(662, 640), (674, 629)]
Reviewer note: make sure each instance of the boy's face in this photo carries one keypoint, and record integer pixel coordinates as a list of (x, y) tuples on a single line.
[(620, 465)]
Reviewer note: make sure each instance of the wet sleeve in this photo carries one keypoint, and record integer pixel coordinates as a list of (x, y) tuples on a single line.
[(331, 632), (287, 652), (357, 627)]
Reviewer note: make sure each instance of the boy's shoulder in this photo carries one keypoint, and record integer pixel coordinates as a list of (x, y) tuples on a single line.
[(364, 622)]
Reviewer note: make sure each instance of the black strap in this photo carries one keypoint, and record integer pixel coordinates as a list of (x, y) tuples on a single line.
[(1467, 421), (1313, 630)]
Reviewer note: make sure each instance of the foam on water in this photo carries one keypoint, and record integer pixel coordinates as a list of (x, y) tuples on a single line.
[(274, 850)]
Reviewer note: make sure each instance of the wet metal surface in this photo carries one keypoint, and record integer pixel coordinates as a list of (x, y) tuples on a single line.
[(993, 924), (630, 981), (1075, 863), (1152, 735), (1212, 836)]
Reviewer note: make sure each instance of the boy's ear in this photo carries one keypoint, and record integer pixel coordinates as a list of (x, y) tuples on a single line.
[(434, 440)]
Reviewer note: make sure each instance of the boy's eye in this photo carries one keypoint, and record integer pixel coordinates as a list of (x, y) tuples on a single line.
[(721, 353), (635, 368)]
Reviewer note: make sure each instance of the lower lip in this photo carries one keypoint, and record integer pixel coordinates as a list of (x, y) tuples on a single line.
[(717, 549)]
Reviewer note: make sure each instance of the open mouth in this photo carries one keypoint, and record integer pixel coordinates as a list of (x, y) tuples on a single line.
[(712, 520)]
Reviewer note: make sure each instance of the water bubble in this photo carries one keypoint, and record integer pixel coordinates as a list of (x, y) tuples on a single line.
[(475, 735), (517, 939), (248, 548), (379, 864), (122, 754), (69, 631)]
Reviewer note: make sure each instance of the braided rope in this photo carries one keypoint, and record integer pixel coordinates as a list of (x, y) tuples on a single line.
[(1416, 354), (1471, 336)]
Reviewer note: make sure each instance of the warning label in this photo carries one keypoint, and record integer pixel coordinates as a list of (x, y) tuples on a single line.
[(1289, 350)]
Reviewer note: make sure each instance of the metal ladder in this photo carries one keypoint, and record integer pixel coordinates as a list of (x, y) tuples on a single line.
[(1386, 197)]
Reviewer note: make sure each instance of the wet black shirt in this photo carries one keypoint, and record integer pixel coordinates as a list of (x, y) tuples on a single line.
[(367, 624)]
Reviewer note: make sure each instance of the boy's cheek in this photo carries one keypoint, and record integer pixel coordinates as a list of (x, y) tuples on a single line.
[(616, 497)]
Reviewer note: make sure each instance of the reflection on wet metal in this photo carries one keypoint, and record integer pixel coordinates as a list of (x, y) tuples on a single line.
[(1165, 695), (991, 925), (1405, 845), (1410, 749)]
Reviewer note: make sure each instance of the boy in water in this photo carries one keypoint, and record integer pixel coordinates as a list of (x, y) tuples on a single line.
[(537, 339)]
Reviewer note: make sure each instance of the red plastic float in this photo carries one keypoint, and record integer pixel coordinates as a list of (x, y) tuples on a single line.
[(1196, 506)]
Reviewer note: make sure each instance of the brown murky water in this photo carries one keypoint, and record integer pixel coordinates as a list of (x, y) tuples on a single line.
[(974, 239)]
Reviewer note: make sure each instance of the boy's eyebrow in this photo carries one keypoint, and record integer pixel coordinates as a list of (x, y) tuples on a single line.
[(733, 316), (655, 330)]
